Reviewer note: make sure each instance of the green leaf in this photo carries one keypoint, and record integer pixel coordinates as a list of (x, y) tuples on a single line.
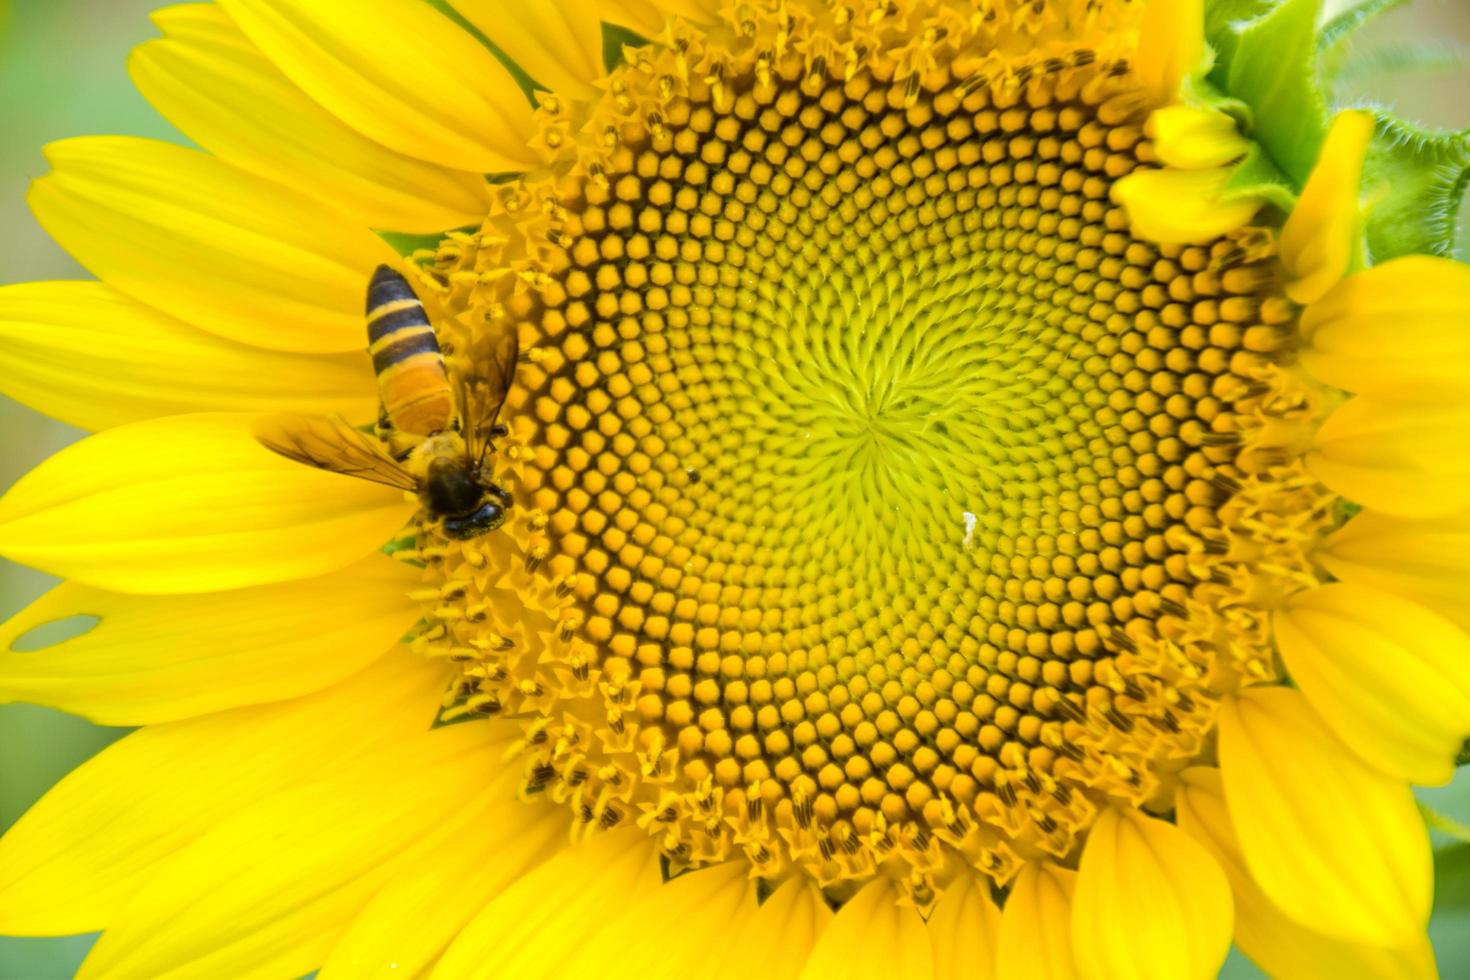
[(1463, 759), (1414, 180), (1271, 65)]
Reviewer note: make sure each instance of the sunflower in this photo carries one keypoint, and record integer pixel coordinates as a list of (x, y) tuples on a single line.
[(985, 498)]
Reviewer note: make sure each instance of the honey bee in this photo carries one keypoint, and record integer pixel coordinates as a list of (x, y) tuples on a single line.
[(435, 426)]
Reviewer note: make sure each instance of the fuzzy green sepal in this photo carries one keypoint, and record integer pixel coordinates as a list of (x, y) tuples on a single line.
[(1415, 181), (1271, 55)]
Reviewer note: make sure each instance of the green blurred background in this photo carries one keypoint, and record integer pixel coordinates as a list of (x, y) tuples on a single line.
[(62, 74)]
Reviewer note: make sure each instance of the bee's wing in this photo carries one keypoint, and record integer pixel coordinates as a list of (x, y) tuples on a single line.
[(331, 444), (483, 393)]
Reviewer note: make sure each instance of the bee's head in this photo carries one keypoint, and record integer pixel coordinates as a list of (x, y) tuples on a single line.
[(450, 489), (487, 517), (468, 506)]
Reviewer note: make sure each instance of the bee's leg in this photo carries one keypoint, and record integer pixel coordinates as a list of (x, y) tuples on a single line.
[(498, 431), (400, 446), (500, 493), (385, 425)]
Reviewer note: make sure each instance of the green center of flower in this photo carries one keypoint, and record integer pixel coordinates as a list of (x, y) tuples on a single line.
[(873, 476)]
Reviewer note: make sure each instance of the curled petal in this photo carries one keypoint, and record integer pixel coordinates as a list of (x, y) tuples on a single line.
[(1195, 138), (1182, 206), (1321, 237)]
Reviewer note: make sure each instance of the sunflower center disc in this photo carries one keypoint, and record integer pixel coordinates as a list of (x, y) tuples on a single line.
[(875, 485)]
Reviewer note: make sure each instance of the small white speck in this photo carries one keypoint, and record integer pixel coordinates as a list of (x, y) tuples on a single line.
[(969, 527)]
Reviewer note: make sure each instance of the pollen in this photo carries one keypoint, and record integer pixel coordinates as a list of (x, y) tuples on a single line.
[(881, 500)]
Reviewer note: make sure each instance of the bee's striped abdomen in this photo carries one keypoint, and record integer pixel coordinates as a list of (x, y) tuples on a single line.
[(412, 382)]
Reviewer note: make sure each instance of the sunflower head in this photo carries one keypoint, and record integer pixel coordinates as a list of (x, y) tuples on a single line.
[(967, 475), (887, 495)]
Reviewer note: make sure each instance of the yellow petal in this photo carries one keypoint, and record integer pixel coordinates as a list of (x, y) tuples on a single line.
[(873, 937), (1391, 678), (407, 925), (1427, 561), (776, 941), (1150, 902), (269, 890), (1397, 457), (74, 858), (213, 84), (190, 503), (1195, 138), (1175, 207), (535, 925), (647, 17), (221, 249), (963, 929), (1320, 238), (84, 353), (1398, 323), (1035, 941), (400, 72), (150, 659), (557, 42), (1171, 46), (709, 906), (1277, 944), (643, 16), (1333, 842)]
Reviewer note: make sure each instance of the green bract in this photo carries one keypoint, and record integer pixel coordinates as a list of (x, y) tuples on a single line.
[(1273, 57)]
